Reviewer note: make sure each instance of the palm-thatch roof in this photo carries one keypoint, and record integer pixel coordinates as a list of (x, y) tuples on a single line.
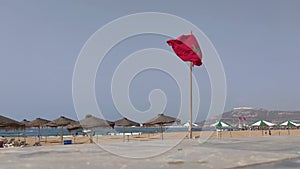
[(51, 124), (63, 121), (25, 122), (126, 123), (161, 119), (94, 122), (74, 126), (39, 122), (6, 122)]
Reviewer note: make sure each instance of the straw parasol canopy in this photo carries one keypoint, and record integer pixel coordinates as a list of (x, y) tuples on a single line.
[(61, 122), (51, 124), (90, 122), (39, 122), (161, 120), (26, 123), (8, 123), (74, 126), (220, 124), (125, 123)]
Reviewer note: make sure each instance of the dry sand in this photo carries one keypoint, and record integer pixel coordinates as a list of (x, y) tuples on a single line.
[(51, 141)]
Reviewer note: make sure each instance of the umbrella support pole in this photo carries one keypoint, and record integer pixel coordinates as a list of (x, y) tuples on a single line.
[(39, 135), (24, 134), (123, 134), (46, 135), (162, 134), (62, 135), (91, 136)]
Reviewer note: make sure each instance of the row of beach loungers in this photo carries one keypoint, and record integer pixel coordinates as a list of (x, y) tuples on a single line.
[(12, 142)]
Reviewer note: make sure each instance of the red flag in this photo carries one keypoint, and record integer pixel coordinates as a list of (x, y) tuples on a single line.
[(240, 118), (187, 48), (245, 118)]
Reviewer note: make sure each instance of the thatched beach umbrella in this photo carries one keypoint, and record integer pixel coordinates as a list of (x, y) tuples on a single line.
[(92, 122), (74, 126), (62, 122), (161, 120), (39, 122), (8, 123), (289, 124), (125, 123), (50, 124), (26, 124)]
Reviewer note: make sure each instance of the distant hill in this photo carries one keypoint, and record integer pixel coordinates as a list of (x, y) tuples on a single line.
[(252, 115)]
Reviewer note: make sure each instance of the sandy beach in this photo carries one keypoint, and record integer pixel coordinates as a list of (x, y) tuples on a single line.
[(102, 139)]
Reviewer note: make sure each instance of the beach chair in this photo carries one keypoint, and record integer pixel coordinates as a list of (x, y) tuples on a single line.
[(4, 141), (11, 141), (23, 143), (16, 143), (37, 144)]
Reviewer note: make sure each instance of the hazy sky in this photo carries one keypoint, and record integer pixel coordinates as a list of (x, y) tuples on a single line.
[(258, 43)]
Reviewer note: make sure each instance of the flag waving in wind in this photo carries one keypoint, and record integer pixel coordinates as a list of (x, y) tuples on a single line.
[(187, 48)]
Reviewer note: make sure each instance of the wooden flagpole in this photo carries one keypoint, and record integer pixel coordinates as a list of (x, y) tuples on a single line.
[(191, 101)]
